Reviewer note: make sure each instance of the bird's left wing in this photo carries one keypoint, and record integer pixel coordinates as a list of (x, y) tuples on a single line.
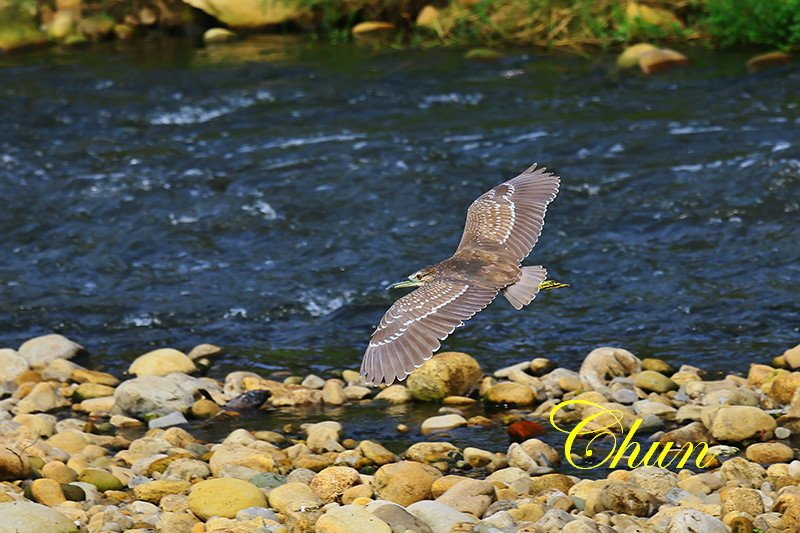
[(411, 330), (510, 216)]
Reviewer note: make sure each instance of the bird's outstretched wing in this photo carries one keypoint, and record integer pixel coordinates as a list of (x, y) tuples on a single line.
[(411, 330), (511, 215)]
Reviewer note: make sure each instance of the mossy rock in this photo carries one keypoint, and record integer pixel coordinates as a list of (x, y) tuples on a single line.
[(101, 479)]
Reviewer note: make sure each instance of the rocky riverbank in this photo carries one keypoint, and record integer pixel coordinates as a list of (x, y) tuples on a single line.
[(579, 25), (81, 450)]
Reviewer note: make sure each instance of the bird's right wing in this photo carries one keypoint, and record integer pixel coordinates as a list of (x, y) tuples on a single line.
[(411, 330), (511, 215)]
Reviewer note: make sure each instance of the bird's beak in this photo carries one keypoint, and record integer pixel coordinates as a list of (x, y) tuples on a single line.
[(403, 284)]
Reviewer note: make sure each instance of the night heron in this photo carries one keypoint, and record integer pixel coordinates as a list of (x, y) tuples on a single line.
[(502, 228)]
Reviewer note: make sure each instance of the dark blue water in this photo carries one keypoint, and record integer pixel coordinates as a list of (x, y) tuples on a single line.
[(261, 196)]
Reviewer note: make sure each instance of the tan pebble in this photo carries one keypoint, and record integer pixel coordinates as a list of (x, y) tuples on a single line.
[(205, 408), (59, 471), (362, 501), (359, 491), (402, 428), (47, 492)]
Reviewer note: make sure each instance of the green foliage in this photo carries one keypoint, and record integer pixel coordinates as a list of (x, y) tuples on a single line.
[(761, 23)]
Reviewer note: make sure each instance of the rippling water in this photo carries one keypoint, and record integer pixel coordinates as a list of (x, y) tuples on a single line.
[(261, 195)]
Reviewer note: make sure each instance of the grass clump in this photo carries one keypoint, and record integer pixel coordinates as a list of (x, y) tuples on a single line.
[(754, 23)]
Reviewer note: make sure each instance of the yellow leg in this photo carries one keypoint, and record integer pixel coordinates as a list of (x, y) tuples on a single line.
[(550, 284)]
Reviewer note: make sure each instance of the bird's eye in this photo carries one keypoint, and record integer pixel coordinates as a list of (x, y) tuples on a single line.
[(419, 276)]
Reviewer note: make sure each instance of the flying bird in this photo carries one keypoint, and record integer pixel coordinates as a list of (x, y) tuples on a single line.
[(502, 228)]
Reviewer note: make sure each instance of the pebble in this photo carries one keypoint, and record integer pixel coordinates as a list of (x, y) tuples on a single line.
[(25, 517), (439, 517), (40, 351), (769, 453), (652, 381), (405, 482), (510, 393), (394, 394), (224, 497), (12, 364), (331, 483), (350, 518), (162, 362), (736, 423), (442, 423)]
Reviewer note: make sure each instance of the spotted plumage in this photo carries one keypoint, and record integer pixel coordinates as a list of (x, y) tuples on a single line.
[(502, 228)]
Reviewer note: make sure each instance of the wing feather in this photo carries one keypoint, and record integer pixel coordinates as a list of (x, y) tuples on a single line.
[(413, 328), (510, 216)]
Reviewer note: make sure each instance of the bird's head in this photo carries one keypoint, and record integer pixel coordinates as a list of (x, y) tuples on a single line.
[(420, 277)]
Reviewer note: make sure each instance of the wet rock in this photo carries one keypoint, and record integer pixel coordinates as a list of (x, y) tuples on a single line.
[(445, 374), (204, 409), (657, 60), (87, 391), (469, 496), (349, 518), (253, 13), (769, 453), (218, 35), (11, 365), (651, 381), (739, 422), (439, 517), (442, 423), (324, 436), (331, 483), (768, 60), (603, 364), (396, 517), (371, 28), (24, 517), (394, 394), (169, 420), (405, 482), (154, 395), (333, 393), (629, 57), (40, 351), (482, 54), (509, 393), (162, 362), (224, 497), (376, 453), (792, 357), (431, 452)]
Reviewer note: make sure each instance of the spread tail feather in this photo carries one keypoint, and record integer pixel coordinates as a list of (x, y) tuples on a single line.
[(524, 290)]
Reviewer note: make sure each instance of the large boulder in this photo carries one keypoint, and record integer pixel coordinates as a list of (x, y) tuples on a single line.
[(446, 374), (253, 13)]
